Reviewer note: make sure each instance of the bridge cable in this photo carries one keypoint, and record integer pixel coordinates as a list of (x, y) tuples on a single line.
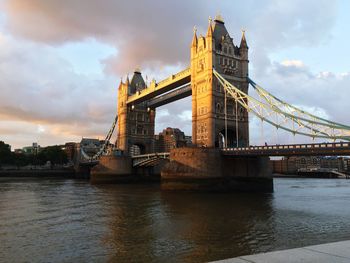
[(104, 146), (225, 102), (307, 126)]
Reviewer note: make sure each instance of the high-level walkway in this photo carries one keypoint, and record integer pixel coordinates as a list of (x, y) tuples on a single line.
[(338, 252)]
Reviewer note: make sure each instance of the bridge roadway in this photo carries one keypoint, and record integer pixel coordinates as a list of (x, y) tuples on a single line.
[(316, 149), (145, 160), (155, 89)]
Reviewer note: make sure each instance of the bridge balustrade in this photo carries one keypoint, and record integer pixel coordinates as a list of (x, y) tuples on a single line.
[(342, 148)]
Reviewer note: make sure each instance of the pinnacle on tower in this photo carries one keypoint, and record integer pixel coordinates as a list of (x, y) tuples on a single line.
[(210, 28), (137, 70), (243, 40), (194, 39), (218, 18)]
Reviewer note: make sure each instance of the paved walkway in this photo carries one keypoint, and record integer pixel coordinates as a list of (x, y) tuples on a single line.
[(338, 252)]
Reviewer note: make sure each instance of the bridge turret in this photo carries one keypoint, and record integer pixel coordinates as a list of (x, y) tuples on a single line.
[(194, 44), (243, 51), (137, 83), (135, 121), (194, 39), (210, 121), (123, 93), (210, 28)]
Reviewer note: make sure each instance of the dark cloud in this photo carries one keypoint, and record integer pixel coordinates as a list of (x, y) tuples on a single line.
[(157, 32)]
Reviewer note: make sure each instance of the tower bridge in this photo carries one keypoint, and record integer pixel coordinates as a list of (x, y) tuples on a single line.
[(218, 82), (211, 120)]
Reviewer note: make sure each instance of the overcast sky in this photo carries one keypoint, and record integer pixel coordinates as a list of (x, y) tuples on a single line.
[(61, 61)]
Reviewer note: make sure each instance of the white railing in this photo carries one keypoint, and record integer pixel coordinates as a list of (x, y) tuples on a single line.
[(290, 146)]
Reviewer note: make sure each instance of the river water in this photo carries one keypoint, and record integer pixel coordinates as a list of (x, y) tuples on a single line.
[(53, 220)]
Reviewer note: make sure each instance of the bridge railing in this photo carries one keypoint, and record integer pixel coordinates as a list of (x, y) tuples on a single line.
[(160, 85), (291, 146), (181, 74), (150, 155)]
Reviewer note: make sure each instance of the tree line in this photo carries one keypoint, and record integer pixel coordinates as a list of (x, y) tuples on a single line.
[(54, 154)]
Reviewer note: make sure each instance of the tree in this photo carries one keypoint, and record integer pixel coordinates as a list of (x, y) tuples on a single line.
[(5, 154), (54, 154)]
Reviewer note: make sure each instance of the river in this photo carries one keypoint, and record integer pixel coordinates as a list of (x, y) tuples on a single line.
[(57, 220)]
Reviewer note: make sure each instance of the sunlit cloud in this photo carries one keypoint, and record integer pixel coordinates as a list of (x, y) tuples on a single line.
[(293, 63)]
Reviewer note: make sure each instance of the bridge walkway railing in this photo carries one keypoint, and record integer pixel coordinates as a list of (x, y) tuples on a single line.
[(336, 148)]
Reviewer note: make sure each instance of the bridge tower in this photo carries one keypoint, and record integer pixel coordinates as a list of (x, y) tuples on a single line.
[(135, 128), (211, 123)]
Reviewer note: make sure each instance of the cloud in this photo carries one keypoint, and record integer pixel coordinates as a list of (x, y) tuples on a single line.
[(39, 88), (293, 63), (152, 33)]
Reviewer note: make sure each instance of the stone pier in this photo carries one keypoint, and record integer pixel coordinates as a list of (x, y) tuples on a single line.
[(206, 169), (119, 169), (112, 169)]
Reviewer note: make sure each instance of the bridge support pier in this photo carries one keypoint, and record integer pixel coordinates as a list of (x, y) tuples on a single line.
[(206, 169), (112, 169)]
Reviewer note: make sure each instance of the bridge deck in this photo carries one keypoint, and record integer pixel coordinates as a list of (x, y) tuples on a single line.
[(166, 85), (325, 149)]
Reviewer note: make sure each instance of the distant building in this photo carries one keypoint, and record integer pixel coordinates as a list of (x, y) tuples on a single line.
[(291, 165), (170, 138), (18, 151), (188, 140), (69, 149), (34, 149)]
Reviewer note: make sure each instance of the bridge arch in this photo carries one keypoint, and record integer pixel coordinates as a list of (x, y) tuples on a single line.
[(221, 137)]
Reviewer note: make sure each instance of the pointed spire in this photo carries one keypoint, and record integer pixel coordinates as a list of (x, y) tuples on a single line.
[(210, 28), (243, 40), (194, 39), (121, 80), (127, 79), (218, 18)]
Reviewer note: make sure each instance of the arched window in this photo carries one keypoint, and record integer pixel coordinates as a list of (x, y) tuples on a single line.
[(218, 108)]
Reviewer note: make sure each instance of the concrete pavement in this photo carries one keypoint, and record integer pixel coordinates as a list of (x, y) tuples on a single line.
[(338, 252)]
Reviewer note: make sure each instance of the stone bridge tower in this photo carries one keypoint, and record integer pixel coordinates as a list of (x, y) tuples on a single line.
[(135, 127), (210, 124)]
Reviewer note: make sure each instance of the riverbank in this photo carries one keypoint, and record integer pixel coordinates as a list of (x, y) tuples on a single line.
[(65, 173), (337, 252), (313, 175)]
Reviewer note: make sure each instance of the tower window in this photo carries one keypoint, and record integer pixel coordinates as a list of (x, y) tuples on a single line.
[(139, 117), (225, 49), (218, 108)]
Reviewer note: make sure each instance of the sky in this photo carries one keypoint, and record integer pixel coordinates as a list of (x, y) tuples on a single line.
[(61, 61)]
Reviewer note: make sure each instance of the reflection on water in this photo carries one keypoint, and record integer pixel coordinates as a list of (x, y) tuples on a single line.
[(66, 220)]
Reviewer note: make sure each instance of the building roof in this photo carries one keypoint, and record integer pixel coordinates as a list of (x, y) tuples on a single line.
[(137, 83), (219, 31)]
